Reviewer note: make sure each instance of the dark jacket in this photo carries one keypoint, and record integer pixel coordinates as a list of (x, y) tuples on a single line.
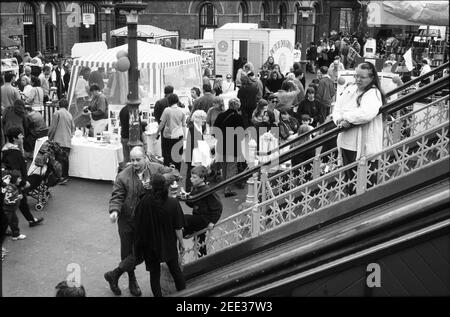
[(228, 119), (204, 102), (12, 159), (158, 110), (209, 207), (312, 108), (15, 116), (155, 225), (99, 107)]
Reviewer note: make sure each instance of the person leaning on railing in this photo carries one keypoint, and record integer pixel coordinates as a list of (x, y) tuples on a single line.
[(205, 212), (357, 110)]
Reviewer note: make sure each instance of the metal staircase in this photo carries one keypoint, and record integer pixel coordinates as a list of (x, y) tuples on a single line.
[(314, 195)]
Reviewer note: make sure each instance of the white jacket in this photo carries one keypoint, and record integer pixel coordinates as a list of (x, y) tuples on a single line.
[(366, 137)]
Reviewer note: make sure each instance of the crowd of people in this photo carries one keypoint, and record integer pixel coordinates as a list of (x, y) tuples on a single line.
[(22, 104)]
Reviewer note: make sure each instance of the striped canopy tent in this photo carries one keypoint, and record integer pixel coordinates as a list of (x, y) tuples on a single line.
[(159, 66)]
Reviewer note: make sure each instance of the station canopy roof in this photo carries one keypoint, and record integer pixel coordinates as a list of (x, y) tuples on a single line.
[(145, 31), (408, 13)]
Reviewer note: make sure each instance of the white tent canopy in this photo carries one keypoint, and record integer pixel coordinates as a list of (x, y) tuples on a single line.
[(149, 56), (149, 31)]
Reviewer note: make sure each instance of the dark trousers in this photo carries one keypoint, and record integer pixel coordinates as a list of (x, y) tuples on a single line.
[(65, 163), (25, 209), (3, 225), (194, 223), (349, 157), (166, 149), (188, 177), (13, 222), (127, 256), (155, 276)]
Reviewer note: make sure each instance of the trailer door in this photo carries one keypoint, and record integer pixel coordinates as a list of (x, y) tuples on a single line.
[(255, 55)]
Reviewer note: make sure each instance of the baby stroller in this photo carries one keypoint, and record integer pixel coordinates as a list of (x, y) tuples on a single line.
[(45, 172)]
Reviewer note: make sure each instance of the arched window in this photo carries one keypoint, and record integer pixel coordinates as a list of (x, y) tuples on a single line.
[(29, 29), (282, 16), (242, 13), (50, 37), (88, 33), (263, 12), (49, 20), (208, 17)]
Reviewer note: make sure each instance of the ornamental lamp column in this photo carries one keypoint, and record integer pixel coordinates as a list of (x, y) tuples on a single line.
[(131, 11)]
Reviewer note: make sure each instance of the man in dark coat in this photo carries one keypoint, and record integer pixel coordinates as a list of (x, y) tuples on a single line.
[(162, 104)]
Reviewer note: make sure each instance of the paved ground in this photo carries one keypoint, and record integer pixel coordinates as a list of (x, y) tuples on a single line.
[(76, 230)]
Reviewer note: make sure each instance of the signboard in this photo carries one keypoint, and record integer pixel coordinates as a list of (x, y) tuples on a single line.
[(282, 51), (208, 59), (10, 65), (89, 18)]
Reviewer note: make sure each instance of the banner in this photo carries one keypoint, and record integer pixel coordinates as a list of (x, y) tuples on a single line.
[(408, 59)]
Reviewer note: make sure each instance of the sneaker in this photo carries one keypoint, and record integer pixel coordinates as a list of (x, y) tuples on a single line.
[(36, 222), (19, 237), (230, 194)]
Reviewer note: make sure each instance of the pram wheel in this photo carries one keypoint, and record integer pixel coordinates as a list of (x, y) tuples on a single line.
[(47, 194), (44, 200), (39, 207)]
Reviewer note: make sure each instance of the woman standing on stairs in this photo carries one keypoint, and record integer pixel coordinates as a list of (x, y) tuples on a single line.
[(358, 112)]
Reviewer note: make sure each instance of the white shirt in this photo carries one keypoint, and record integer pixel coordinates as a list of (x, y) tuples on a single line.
[(367, 135)]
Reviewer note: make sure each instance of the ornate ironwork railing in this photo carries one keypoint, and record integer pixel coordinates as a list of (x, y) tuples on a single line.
[(407, 156)]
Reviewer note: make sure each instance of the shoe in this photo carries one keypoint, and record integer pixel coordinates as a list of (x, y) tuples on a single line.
[(134, 287), (63, 181), (19, 237), (229, 194), (113, 281), (36, 222)]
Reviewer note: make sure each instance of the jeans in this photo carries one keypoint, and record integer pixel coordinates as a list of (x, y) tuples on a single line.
[(65, 163), (13, 222), (127, 256), (166, 147), (125, 149)]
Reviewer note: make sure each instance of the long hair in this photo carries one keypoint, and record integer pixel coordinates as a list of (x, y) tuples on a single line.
[(374, 83), (160, 188)]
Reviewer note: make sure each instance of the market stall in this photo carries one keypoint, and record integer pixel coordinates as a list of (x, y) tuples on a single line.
[(151, 34), (91, 158), (159, 66)]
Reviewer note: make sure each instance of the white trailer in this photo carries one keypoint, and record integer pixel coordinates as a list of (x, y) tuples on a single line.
[(252, 43)]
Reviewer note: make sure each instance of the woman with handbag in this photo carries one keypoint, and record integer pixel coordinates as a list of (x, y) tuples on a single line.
[(36, 96)]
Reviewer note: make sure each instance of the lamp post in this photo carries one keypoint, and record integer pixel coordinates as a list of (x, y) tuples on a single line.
[(364, 4), (131, 10), (108, 6), (304, 11)]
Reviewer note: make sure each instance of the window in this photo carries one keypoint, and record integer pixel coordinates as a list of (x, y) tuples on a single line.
[(208, 17), (50, 37), (242, 13), (263, 12), (345, 20), (28, 14), (282, 19)]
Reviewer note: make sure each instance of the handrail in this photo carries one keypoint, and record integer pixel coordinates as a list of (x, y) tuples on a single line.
[(329, 135), (329, 124)]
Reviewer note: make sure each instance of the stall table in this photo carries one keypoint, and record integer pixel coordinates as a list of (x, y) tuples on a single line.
[(91, 159)]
